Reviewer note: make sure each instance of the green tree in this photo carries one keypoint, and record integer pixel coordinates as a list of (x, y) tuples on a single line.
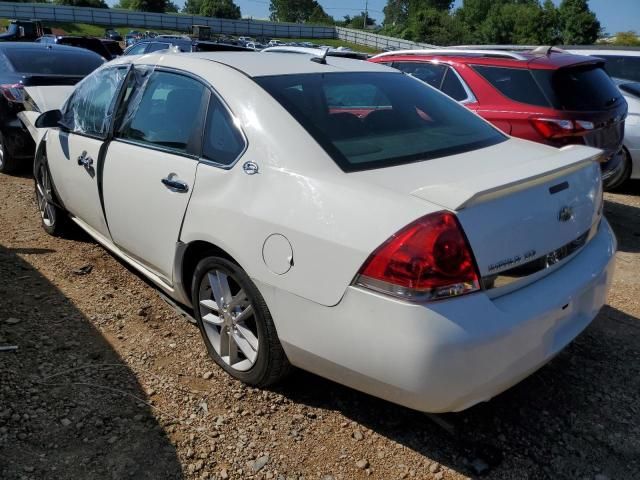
[(296, 11), (578, 25), (434, 26), (319, 16), (396, 14), (219, 9), (83, 3), (358, 21), (627, 38), (192, 7)]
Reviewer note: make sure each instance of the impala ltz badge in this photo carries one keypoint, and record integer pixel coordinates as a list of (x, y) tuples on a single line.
[(512, 261), (565, 214)]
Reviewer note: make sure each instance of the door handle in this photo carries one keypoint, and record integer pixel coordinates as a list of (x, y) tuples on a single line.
[(176, 185), (85, 160)]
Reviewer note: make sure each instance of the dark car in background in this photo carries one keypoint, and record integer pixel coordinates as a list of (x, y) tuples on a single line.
[(543, 95), (88, 43), (114, 47), (112, 34), (183, 44), (33, 65)]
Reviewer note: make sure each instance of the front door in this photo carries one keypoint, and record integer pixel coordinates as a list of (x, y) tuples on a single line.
[(75, 150), (150, 167)]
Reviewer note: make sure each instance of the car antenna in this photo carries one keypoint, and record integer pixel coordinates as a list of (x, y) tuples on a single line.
[(322, 59)]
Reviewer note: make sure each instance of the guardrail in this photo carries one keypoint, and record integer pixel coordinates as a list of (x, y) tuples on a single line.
[(110, 17), (381, 42)]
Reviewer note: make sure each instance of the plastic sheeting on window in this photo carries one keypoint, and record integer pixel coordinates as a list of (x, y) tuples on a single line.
[(90, 108), (136, 85)]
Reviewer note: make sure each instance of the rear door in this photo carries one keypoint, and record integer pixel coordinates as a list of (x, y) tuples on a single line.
[(75, 151), (150, 167)]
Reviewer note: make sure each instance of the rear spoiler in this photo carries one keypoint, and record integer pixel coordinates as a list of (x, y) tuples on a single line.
[(471, 191), (42, 80)]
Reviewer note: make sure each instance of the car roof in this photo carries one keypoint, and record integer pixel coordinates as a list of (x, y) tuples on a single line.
[(259, 64), (551, 60), (44, 46)]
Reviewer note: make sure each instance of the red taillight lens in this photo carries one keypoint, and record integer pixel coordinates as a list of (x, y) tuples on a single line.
[(428, 259), (14, 93), (559, 128)]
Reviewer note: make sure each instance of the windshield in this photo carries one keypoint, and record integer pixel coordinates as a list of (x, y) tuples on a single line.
[(579, 88), (373, 120), (54, 62)]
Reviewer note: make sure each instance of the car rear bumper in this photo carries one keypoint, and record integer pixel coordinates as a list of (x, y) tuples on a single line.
[(448, 355)]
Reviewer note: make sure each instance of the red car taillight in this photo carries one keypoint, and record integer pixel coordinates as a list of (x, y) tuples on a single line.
[(558, 128), (429, 259), (14, 93)]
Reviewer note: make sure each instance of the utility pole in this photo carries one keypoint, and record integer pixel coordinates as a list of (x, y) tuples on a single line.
[(366, 14)]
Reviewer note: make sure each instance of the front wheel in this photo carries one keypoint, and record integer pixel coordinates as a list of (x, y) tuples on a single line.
[(236, 324), (622, 173)]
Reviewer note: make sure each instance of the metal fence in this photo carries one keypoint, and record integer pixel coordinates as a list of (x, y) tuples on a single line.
[(109, 17), (380, 42), (254, 28)]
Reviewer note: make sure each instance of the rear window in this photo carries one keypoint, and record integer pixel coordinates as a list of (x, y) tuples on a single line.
[(373, 120), (53, 62), (515, 83), (579, 88), (627, 68)]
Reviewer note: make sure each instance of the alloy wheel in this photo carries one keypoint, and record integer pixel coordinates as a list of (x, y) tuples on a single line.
[(43, 194), (228, 317)]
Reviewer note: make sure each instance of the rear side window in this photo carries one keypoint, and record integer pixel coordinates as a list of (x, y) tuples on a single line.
[(515, 83), (137, 49), (372, 119), (223, 142), (166, 113), (627, 68), (452, 86), (579, 88), (53, 62)]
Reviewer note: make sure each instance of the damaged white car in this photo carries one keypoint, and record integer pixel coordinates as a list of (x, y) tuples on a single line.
[(334, 215)]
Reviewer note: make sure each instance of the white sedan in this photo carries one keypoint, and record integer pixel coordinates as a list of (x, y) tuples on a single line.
[(334, 215)]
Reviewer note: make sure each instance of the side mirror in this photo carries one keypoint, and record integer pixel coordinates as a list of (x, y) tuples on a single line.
[(49, 119)]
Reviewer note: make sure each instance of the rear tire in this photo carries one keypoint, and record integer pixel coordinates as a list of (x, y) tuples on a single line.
[(236, 325), (54, 218), (8, 163), (621, 179)]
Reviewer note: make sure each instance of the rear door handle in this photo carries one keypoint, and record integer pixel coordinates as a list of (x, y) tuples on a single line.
[(175, 185)]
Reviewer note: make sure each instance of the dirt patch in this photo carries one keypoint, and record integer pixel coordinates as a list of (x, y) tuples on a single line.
[(109, 382)]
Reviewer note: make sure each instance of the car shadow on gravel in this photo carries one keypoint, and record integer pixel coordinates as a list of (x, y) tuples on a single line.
[(68, 407), (575, 418), (625, 221)]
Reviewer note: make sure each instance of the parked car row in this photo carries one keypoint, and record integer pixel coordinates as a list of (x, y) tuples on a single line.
[(287, 197)]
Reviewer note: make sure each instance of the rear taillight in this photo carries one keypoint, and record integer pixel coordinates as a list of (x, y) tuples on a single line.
[(558, 128), (429, 259), (14, 93)]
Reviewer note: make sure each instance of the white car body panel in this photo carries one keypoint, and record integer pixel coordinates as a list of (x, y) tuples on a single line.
[(439, 356), (46, 98), (146, 230)]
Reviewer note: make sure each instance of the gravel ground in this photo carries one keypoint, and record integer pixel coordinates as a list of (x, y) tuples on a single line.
[(109, 382)]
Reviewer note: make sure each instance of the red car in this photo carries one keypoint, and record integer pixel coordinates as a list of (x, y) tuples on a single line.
[(541, 95)]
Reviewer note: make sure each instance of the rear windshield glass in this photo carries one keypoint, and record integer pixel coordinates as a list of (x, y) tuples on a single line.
[(53, 62), (579, 88), (627, 68), (373, 120)]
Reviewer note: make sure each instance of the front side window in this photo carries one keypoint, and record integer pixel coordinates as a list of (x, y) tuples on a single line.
[(395, 120), (89, 110), (515, 83), (157, 46), (165, 112), (427, 72)]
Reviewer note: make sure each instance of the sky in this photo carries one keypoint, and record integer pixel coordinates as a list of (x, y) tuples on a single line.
[(615, 15)]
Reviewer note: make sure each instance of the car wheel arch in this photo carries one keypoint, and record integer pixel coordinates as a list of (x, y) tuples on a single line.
[(189, 255)]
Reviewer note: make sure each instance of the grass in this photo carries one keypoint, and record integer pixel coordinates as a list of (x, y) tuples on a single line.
[(98, 31)]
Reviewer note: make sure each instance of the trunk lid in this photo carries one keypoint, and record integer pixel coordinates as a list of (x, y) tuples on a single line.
[(517, 201)]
